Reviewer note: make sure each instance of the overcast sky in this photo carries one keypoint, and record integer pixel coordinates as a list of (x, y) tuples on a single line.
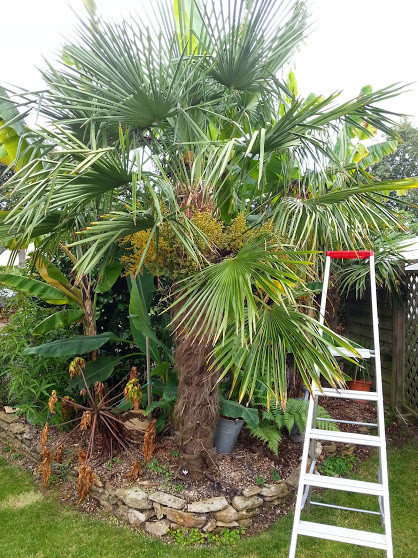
[(352, 44)]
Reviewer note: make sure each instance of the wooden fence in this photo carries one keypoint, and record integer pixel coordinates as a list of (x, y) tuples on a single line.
[(398, 330)]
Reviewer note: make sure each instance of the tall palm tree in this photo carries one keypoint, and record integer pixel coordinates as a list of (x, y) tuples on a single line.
[(157, 131)]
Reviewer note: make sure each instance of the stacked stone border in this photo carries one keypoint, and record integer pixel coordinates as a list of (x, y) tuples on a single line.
[(158, 512)]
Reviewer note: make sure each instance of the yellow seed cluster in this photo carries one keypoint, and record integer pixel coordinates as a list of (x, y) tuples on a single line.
[(173, 258)]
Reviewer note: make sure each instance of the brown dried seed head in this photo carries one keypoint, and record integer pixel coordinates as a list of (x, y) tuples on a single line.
[(83, 392), (134, 373), (82, 456), (98, 388), (133, 393), (59, 452), (85, 479), (149, 441), (85, 420), (44, 436), (135, 471), (45, 465), (52, 401)]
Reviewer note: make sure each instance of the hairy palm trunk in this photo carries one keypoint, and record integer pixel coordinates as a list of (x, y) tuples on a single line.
[(197, 409), (89, 320)]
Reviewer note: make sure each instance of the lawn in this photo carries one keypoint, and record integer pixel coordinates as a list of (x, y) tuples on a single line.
[(35, 525)]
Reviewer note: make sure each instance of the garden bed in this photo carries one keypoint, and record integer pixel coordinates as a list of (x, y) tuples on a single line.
[(251, 471)]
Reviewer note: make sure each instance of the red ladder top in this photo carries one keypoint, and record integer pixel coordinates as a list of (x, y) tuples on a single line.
[(350, 254)]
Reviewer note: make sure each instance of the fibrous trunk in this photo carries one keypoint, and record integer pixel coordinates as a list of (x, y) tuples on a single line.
[(197, 409)]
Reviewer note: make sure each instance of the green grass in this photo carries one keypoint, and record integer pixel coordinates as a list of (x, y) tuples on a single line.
[(35, 525)]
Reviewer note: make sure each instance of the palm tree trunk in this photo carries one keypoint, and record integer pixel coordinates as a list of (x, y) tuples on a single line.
[(197, 409), (89, 320)]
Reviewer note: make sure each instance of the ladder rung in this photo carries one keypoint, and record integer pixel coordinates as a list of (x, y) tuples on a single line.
[(347, 394), (364, 353), (344, 508), (342, 534), (345, 437), (347, 422), (348, 485)]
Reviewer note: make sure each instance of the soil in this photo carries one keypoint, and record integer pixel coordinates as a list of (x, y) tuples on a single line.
[(250, 461)]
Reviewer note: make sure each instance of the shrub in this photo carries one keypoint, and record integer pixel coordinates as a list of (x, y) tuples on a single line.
[(27, 380)]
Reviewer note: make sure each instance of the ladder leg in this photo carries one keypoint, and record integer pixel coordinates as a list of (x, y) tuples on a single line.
[(303, 465), (313, 443)]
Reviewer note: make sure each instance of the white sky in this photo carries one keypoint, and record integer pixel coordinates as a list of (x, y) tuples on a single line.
[(353, 43)]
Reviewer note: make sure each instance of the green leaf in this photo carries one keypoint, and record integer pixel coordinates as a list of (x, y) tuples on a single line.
[(57, 320), (34, 288), (110, 276), (140, 321), (233, 409), (73, 346), (96, 371)]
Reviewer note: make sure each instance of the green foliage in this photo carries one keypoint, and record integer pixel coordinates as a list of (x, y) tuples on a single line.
[(275, 419), (260, 481), (337, 466), (164, 386), (29, 379), (232, 409), (275, 476), (194, 537), (178, 487)]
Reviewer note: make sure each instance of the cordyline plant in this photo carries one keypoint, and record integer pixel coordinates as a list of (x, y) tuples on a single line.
[(101, 420)]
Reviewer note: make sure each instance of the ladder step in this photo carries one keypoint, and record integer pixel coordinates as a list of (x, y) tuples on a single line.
[(347, 394), (342, 534), (364, 353), (345, 437), (348, 485)]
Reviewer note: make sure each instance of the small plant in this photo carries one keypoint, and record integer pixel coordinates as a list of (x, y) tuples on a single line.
[(260, 481), (17, 455), (7, 449), (154, 466), (112, 462), (178, 487), (337, 466), (275, 475), (190, 537), (175, 453)]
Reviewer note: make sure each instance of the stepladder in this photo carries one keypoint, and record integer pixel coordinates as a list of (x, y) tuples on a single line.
[(310, 480)]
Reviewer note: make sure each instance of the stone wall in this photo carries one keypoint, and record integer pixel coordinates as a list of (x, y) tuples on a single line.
[(158, 511)]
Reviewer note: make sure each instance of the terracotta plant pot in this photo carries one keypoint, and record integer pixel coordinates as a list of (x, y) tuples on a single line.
[(360, 385)]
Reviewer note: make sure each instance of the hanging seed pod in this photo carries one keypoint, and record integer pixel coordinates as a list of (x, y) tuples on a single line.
[(76, 366), (85, 422), (52, 401)]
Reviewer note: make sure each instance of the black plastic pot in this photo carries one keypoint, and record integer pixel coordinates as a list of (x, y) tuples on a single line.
[(227, 433)]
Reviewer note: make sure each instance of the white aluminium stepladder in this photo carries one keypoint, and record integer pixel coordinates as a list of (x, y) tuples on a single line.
[(308, 480)]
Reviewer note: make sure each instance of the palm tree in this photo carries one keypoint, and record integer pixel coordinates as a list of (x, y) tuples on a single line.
[(189, 142)]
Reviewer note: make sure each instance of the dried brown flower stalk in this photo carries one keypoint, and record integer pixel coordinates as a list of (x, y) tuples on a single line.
[(134, 373), (149, 441), (44, 436), (58, 453), (85, 422), (135, 472), (85, 479), (45, 465), (52, 401), (82, 456)]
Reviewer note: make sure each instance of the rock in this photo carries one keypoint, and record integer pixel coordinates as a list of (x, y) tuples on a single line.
[(278, 490), (136, 517), (9, 418), (293, 479), (185, 519), (104, 503), (231, 525), (363, 429), (245, 514), (157, 528), (208, 505), (318, 450), (175, 527), (28, 435), (136, 420), (158, 510), (245, 522), (97, 482), (134, 498), (348, 450), (242, 503), (251, 491), (167, 500), (18, 428), (227, 515), (9, 410), (121, 512), (330, 449), (210, 526)]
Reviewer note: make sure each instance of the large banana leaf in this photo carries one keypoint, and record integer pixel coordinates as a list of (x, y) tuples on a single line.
[(110, 276), (59, 319), (73, 346), (52, 275), (34, 288)]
